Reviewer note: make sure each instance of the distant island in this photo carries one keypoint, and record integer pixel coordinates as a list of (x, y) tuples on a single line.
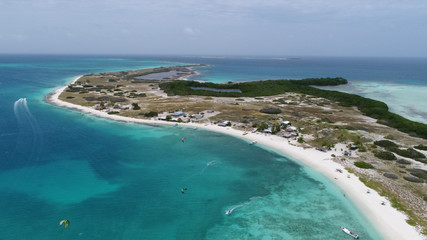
[(337, 133)]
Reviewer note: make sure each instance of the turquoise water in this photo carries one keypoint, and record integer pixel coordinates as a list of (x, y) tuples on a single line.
[(116, 180)]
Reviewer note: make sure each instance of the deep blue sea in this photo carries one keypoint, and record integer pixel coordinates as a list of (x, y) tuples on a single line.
[(115, 180)]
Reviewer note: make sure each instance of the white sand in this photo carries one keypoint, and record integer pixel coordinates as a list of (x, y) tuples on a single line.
[(387, 220)]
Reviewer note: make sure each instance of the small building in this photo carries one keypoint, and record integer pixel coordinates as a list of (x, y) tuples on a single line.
[(291, 129), (268, 130), (287, 135), (223, 124), (285, 123), (177, 114), (125, 107), (197, 116), (353, 147), (322, 148)]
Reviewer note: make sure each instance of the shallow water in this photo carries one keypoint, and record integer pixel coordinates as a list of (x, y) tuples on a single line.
[(409, 101), (116, 180)]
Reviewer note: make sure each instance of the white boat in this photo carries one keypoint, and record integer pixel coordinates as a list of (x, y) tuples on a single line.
[(252, 143), (350, 232), (229, 211)]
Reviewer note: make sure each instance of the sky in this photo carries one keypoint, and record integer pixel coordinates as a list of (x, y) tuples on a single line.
[(383, 28)]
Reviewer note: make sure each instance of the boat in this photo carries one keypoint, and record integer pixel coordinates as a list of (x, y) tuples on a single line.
[(252, 143), (229, 211), (350, 232)]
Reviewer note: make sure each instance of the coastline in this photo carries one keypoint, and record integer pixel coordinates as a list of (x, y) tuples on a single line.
[(389, 222)]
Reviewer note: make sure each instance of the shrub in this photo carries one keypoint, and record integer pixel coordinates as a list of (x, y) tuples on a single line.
[(275, 129), (300, 140), (390, 175), (262, 127), (418, 173), (421, 147), (179, 120), (361, 147), (385, 155), (113, 112), (168, 117), (390, 137), (151, 114), (362, 164), (403, 161), (271, 110), (413, 179), (409, 153), (385, 143), (135, 106)]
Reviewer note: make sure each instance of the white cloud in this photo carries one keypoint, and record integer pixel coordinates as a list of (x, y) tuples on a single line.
[(191, 31)]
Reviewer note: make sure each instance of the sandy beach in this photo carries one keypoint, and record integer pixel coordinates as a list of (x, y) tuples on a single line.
[(387, 220)]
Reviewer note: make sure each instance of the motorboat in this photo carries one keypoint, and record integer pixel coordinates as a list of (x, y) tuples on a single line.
[(350, 232)]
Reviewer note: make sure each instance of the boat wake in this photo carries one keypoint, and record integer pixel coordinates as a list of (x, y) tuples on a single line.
[(211, 163), (230, 210), (30, 137)]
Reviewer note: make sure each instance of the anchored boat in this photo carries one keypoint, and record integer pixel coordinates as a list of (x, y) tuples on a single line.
[(350, 232)]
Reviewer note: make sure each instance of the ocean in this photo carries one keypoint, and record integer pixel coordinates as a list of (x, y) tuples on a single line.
[(115, 180)]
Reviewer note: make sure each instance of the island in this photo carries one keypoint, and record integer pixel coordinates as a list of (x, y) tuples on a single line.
[(378, 158)]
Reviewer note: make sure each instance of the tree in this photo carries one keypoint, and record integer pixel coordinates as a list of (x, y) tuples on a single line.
[(262, 127), (275, 129), (168, 118), (135, 106), (179, 120)]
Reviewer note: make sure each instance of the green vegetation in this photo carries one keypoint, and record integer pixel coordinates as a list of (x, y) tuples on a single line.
[(135, 106), (413, 179), (403, 161), (385, 155), (409, 153), (369, 107), (261, 127), (418, 173), (275, 129), (300, 140), (393, 147), (421, 147), (151, 114), (390, 137), (362, 164), (271, 110), (385, 143)]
